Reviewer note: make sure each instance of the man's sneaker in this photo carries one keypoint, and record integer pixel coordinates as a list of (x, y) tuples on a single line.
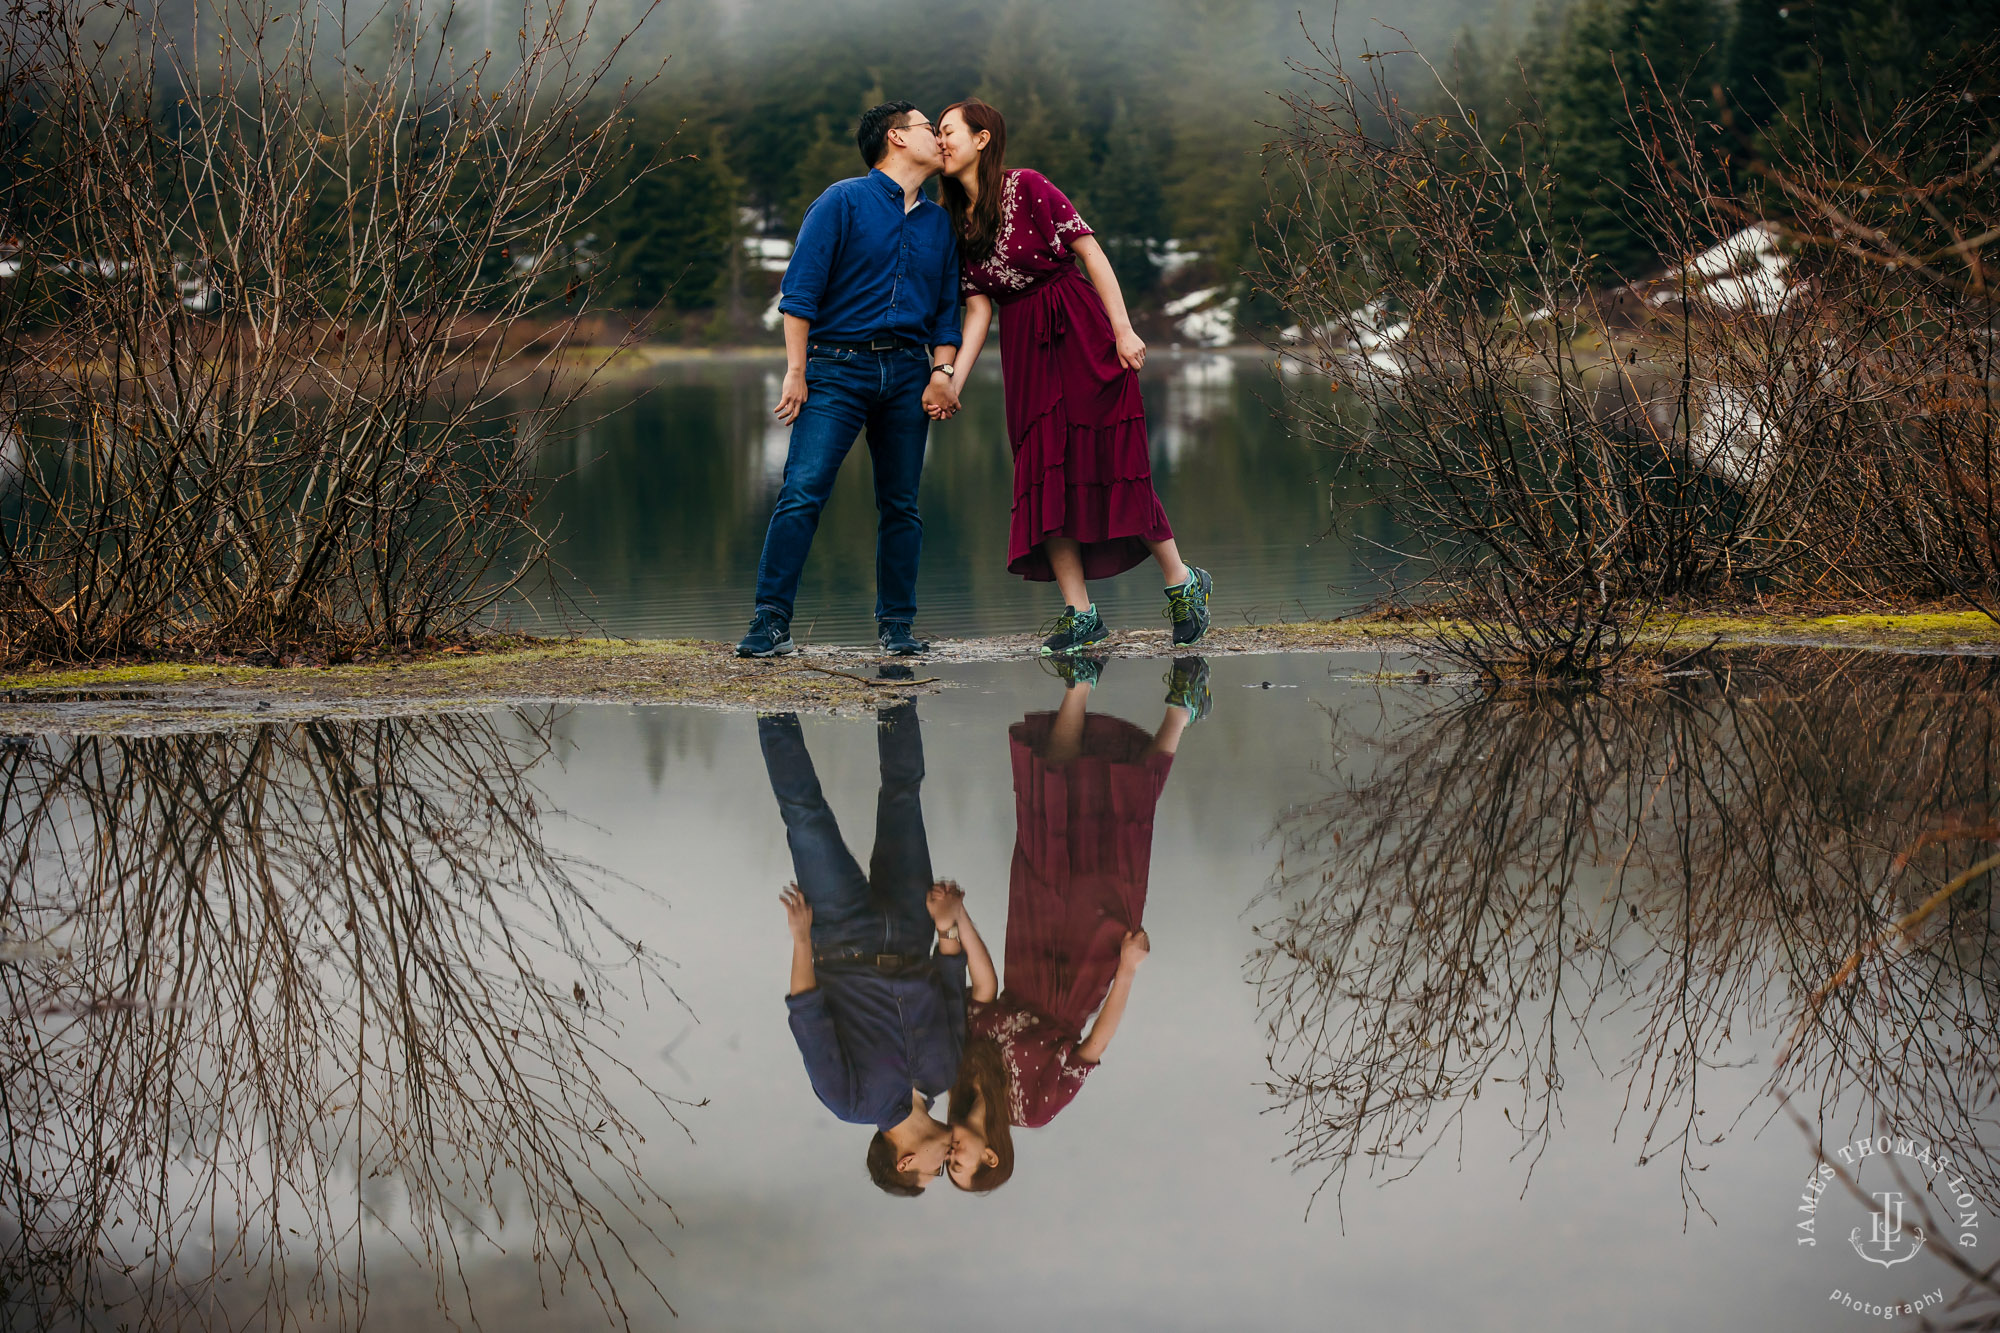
[(1187, 607), (770, 636), (1187, 687), (1077, 669), (897, 641), (1075, 631)]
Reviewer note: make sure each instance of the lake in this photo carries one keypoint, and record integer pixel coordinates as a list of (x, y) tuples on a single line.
[(1458, 1013), (665, 485)]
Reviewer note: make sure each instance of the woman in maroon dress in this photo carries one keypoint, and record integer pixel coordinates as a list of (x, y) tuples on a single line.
[(1085, 788), (1084, 506)]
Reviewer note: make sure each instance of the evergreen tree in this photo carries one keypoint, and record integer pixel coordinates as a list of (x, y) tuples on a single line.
[(1589, 131), (674, 229), (1128, 200)]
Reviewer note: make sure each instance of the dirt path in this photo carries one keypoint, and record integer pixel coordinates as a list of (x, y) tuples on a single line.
[(159, 697)]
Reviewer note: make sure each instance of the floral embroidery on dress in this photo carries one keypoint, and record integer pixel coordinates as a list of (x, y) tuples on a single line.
[(1017, 263)]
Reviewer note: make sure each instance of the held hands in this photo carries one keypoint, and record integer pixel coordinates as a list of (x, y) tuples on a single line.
[(1133, 950), (1131, 350), (946, 903), (941, 398), (798, 914), (791, 396)]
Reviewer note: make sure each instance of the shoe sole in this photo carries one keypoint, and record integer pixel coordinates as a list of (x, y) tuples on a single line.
[(785, 649), (1071, 651), (906, 652)]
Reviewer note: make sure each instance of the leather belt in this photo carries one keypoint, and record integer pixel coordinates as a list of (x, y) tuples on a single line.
[(881, 962), (872, 345)]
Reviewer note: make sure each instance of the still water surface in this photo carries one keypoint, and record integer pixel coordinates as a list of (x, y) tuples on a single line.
[(666, 485), (1458, 1014)]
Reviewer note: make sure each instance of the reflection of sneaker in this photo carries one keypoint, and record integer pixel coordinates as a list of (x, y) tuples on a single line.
[(1187, 687), (1187, 607), (770, 635), (1074, 631), (1077, 669)]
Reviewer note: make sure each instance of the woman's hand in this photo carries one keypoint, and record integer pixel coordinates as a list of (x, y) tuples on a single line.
[(1133, 951), (798, 914), (791, 396), (946, 903), (941, 398), (1131, 350)]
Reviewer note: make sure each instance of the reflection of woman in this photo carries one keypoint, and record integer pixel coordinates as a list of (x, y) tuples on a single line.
[(1085, 788), (1084, 505)]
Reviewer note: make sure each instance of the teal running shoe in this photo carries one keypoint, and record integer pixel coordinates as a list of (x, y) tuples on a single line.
[(1075, 631), (1187, 687), (1187, 607)]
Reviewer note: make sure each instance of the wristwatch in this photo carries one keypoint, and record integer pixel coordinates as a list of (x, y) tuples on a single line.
[(947, 367), (951, 934)]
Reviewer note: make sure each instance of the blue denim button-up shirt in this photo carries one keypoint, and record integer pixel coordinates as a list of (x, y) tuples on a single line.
[(864, 269), (868, 1038)]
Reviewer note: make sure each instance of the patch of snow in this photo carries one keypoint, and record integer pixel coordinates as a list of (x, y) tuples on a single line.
[(1182, 305), (768, 254), (1213, 327), (1170, 257), (773, 317)]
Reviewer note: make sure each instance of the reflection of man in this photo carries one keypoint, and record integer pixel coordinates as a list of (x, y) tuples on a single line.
[(879, 1016)]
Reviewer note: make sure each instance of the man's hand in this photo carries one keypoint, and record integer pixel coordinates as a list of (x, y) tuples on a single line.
[(946, 902), (1133, 950), (798, 914), (941, 398), (791, 396), (1131, 350)]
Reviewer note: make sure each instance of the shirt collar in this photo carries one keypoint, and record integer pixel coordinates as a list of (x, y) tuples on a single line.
[(885, 180)]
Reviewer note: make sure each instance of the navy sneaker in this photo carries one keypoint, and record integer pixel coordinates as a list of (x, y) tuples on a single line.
[(897, 640), (1077, 669), (1187, 607), (1075, 631), (1187, 687), (770, 635)]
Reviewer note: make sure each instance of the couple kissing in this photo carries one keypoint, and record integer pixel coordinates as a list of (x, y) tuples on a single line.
[(874, 343)]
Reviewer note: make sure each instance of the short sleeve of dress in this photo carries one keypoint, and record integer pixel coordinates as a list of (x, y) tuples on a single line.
[(1055, 217)]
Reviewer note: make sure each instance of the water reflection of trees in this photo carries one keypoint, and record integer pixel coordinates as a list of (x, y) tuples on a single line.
[(1655, 884), (278, 995)]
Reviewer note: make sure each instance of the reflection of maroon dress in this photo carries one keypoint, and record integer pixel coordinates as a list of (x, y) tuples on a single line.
[(1082, 849), (1081, 467)]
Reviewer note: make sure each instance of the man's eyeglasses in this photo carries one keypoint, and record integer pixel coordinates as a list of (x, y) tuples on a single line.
[(920, 125)]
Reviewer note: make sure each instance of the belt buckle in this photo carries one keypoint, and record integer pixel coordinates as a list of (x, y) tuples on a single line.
[(883, 344), (887, 960)]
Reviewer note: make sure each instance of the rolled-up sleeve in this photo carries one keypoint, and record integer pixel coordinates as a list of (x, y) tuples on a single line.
[(826, 1063), (813, 254), (944, 320)]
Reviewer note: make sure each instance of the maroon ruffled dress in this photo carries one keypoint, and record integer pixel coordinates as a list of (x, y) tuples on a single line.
[(1082, 468), (1083, 848)]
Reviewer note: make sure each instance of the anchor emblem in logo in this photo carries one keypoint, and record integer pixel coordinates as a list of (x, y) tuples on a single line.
[(1886, 1233)]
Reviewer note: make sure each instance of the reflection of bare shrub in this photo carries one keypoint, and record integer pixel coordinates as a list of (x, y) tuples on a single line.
[(282, 993), (254, 385), (1458, 915)]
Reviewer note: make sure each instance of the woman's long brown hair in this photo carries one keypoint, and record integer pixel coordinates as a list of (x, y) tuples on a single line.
[(982, 1081), (978, 224)]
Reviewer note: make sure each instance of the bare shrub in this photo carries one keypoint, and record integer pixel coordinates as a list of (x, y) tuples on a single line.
[(1802, 399), (255, 384)]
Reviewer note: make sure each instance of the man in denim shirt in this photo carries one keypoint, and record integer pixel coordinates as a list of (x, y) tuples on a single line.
[(870, 302), (879, 1016)]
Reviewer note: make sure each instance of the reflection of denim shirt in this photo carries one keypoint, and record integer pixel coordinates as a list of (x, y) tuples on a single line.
[(868, 1038)]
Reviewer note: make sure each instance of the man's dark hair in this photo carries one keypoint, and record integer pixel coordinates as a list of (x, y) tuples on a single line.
[(882, 1169), (871, 136)]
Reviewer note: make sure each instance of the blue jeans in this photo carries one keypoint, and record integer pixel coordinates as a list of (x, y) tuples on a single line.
[(847, 392), (883, 910)]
